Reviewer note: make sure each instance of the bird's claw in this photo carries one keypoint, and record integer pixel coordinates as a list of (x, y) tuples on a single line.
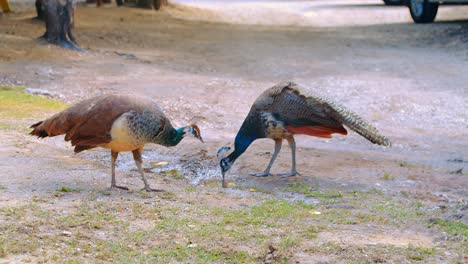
[(262, 174), (149, 189), (290, 174), (119, 187)]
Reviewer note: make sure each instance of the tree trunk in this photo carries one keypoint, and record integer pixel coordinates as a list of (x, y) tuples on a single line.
[(150, 4), (5, 6), (40, 13), (58, 16)]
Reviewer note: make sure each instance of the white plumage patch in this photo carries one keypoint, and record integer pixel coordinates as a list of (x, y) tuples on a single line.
[(122, 137)]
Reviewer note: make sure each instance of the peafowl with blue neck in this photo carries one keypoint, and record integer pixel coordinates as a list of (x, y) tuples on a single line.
[(283, 111)]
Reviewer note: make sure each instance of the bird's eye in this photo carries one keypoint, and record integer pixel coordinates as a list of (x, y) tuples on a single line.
[(194, 132)]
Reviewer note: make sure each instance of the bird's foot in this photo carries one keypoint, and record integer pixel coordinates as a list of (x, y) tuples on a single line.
[(290, 174), (262, 174), (149, 189), (114, 186)]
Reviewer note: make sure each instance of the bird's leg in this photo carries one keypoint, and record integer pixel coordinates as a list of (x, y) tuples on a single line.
[(278, 143), (113, 184), (139, 162), (292, 145)]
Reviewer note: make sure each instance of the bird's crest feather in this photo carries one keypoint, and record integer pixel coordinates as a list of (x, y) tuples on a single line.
[(222, 152)]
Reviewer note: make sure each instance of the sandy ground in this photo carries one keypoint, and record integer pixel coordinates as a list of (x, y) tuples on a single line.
[(408, 80)]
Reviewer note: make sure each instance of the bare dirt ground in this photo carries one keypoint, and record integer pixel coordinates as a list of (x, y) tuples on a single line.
[(362, 203)]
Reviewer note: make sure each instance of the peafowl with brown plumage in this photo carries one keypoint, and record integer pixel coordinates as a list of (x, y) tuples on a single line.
[(117, 122), (284, 111)]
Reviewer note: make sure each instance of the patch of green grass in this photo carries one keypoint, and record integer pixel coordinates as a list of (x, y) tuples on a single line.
[(453, 228), (254, 189), (308, 191), (170, 223), (17, 229), (327, 248), (388, 177), (145, 195), (381, 253), (66, 189), (103, 232), (419, 253), (9, 126), (190, 189), (244, 224), (17, 104), (87, 217), (312, 232), (288, 242), (405, 164), (60, 192), (361, 207), (15, 212), (176, 174), (350, 217), (269, 213), (166, 231), (105, 192), (369, 218), (251, 223), (398, 212), (2, 251), (197, 254), (167, 195)]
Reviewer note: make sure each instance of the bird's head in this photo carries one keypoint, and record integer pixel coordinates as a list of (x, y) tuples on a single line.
[(224, 162), (194, 131)]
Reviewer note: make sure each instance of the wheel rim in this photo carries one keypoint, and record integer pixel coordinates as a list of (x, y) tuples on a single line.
[(417, 7)]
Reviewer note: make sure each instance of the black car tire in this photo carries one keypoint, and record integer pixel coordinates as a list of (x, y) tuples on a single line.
[(393, 2), (422, 11)]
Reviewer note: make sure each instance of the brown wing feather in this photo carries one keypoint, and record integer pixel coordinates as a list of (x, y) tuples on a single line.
[(294, 108), (89, 122), (81, 148)]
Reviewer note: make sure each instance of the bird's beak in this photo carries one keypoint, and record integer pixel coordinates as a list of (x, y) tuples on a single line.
[(201, 139), (224, 181)]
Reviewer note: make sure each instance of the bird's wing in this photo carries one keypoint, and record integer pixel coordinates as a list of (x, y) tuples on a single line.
[(299, 110), (93, 122), (295, 109)]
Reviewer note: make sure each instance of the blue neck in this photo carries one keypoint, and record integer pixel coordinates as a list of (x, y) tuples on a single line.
[(176, 137), (241, 143)]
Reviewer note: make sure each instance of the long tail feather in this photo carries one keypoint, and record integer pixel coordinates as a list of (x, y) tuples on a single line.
[(53, 126), (354, 121), (38, 130)]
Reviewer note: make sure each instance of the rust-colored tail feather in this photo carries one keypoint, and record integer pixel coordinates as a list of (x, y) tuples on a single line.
[(317, 131), (57, 124), (353, 121)]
